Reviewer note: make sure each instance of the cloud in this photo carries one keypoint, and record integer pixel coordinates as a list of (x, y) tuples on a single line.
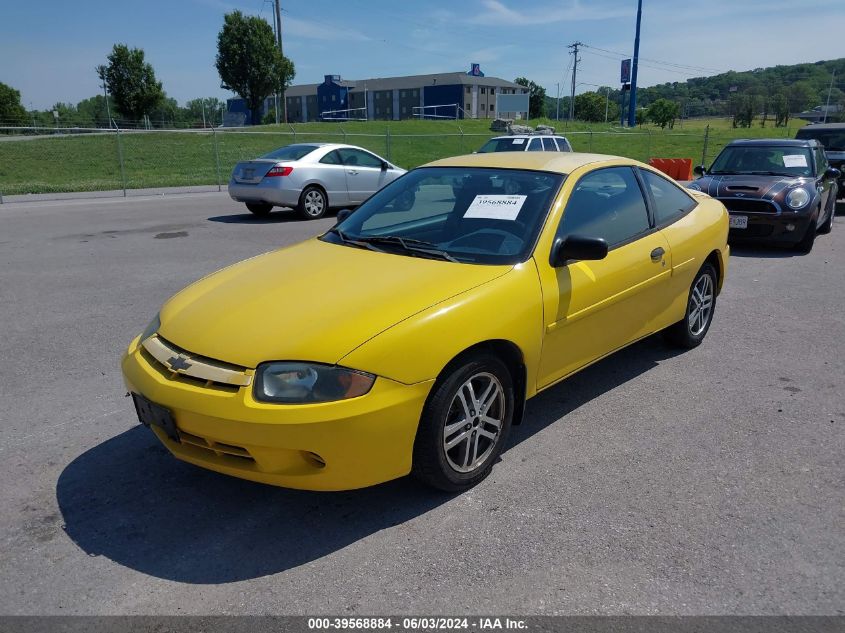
[(308, 29), (496, 13)]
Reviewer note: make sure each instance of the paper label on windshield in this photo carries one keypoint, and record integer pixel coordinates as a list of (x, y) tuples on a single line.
[(495, 207), (518, 141), (794, 160)]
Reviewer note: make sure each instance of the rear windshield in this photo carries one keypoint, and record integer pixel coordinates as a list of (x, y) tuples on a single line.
[(503, 145), (833, 140), (291, 152)]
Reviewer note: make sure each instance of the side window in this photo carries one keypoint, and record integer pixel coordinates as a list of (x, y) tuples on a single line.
[(355, 157), (563, 144), (535, 145), (821, 162), (670, 201), (549, 145), (332, 158), (606, 203)]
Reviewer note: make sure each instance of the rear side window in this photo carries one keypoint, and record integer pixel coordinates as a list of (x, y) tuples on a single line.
[(535, 145), (291, 152), (606, 203), (332, 158), (549, 145), (670, 201), (564, 145)]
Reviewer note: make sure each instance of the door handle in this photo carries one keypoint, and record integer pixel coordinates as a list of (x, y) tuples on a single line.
[(657, 254)]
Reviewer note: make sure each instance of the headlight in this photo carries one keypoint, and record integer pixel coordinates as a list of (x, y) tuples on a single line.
[(151, 329), (797, 198), (694, 187), (300, 383)]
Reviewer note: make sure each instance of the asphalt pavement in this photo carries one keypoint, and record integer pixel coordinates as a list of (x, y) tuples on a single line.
[(655, 482)]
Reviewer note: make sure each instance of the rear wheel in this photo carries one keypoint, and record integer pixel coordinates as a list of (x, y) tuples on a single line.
[(701, 304), (313, 203), (464, 424), (259, 208)]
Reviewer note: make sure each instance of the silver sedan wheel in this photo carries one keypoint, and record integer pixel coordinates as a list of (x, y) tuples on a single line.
[(314, 203), (701, 304), (474, 422)]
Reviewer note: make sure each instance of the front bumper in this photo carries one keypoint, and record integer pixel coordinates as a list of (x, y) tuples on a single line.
[(328, 446), (264, 191), (771, 227)]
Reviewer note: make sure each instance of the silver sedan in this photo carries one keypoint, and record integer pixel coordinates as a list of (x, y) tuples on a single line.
[(310, 177)]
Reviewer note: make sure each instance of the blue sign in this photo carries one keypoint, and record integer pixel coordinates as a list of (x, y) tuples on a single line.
[(626, 71), (475, 70)]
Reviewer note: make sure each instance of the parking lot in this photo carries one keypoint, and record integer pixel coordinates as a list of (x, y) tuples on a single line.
[(655, 482)]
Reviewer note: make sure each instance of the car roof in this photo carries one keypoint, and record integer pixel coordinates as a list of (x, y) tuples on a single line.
[(528, 136), (559, 162), (773, 142), (823, 126)]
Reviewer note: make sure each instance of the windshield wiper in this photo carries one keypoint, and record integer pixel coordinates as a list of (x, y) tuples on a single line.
[(407, 244), (354, 241)]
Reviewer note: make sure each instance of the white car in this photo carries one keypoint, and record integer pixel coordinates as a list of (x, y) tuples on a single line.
[(310, 177), (527, 143)]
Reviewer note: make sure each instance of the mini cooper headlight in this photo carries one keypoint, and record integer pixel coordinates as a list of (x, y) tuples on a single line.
[(151, 329), (797, 198), (300, 383)]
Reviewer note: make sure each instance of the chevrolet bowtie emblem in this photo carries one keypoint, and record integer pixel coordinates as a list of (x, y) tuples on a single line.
[(177, 362)]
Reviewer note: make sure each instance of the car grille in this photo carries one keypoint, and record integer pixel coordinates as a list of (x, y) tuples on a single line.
[(743, 205), (177, 364), (219, 449)]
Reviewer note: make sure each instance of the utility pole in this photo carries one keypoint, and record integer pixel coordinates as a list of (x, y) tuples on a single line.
[(829, 90), (574, 48), (632, 107), (557, 116), (279, 36)]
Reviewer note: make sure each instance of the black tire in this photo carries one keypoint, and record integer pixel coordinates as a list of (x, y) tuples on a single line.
[(313, 203), (827, 227), (806, 243), (260, 208), (691, 330), (440, 467)]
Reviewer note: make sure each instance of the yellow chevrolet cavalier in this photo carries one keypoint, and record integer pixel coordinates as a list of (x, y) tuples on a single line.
[(408, 337)]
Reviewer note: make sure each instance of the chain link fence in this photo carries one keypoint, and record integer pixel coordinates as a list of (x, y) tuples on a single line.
[(93, 159)]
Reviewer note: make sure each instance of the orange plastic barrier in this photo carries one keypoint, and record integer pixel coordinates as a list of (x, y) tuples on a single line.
[(677, 168)]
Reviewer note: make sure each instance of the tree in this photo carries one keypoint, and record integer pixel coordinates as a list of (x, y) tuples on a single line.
[(595, 106), (249, 61), (663, 112), (204, 109), (11, 110), (93, 111), (536, 98), (641, 116), (780, 107), (743, 108), (131, 82)]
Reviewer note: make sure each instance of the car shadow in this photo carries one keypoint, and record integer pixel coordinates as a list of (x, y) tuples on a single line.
[(127, 499), (763, 251), (278, 216)]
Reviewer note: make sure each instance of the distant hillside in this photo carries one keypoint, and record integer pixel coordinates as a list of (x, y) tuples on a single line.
[(803, 86)]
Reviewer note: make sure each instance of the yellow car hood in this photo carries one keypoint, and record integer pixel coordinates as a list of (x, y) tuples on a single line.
[(314, 301)]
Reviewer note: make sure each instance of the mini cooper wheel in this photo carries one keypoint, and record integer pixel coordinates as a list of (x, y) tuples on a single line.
[(806, 243), (701, 304), (259, 208), (313, 203), (465, 424), (827, 227)]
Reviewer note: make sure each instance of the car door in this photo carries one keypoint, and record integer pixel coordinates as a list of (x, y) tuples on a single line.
[(824, 185), (364, 173), (592, 308), (332, 175)]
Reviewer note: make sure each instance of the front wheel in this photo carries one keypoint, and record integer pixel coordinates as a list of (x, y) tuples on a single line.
[(806, 243), (827, 227), (313, 203), (701, 304), (464, 424)]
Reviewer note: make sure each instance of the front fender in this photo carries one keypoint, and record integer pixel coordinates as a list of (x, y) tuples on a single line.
[(417, 349)]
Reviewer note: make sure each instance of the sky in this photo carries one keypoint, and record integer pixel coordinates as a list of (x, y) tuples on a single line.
[(49, 49)]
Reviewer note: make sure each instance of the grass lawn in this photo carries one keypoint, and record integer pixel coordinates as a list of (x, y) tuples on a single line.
[(91, 162)]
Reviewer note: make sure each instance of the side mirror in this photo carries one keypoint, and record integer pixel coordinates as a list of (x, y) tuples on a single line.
[(577, 247), (342, 215), (699, 170), (832, 172), (384, 165)]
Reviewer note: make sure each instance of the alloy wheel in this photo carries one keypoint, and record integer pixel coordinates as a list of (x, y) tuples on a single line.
[(474, 422), (701, 304)]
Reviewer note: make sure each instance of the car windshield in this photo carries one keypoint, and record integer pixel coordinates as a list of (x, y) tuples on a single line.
[(291, 152), (831, 139), (503, 145), (764, 159), (462, 214)]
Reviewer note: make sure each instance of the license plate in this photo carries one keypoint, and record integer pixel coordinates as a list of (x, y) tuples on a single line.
[(738, 222), (152, 414)]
